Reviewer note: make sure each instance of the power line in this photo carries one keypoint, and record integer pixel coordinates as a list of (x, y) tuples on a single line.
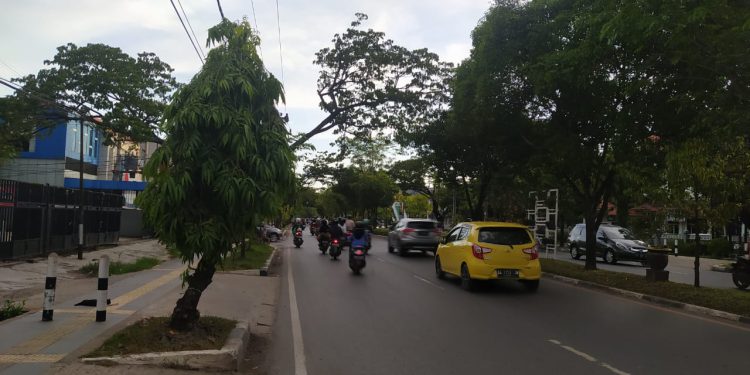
[(191, 28), (186, 31), (281, 55), (255, 20), (10, 67), (220, 10)]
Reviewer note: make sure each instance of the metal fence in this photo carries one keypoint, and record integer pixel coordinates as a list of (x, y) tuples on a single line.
[(36, 219)]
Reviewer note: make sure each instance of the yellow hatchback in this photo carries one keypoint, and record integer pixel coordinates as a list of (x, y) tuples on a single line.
[(489, 251)]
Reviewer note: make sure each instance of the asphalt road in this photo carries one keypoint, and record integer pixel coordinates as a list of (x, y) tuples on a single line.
[(398, 318)]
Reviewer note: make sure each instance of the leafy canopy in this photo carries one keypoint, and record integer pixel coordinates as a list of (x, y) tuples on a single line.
[(226, 159)]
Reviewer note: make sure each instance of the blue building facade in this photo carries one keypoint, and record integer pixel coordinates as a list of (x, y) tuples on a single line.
[(52, 158)]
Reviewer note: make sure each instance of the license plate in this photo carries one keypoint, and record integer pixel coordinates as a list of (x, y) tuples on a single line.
[(503, 273), (424, 233)]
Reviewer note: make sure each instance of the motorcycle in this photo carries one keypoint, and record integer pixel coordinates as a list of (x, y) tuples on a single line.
[(741, 272), (357, 259), (335, 250), (323, 245), (298, 238)]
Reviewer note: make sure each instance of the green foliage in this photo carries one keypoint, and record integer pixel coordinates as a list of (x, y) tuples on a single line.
[(368, 82), (226, 160), (10, 309), (119, 268), (380, 231), (128, 94), (254, 259)]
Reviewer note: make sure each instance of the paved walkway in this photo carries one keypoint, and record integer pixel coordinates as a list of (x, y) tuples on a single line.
[(30, 346)]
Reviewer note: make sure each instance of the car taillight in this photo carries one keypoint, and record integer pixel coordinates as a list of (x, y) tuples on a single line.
[(335, 242), (532, 251), (479, 251), (437, 232), (408, 230)]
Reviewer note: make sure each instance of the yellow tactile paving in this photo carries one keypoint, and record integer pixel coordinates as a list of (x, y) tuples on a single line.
[(25, 352), (136, 293), (30, 358)]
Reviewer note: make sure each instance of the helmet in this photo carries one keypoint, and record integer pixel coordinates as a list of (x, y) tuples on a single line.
[(297, 220)]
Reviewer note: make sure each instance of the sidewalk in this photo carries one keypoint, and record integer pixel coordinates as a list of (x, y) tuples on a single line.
[(680, 269), (30, 346)]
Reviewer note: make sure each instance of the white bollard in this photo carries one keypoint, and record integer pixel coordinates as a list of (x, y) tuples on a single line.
[(676, 250), (50, 282), (103, 284)]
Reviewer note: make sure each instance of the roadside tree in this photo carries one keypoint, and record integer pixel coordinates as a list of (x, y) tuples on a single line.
[(226, 161)]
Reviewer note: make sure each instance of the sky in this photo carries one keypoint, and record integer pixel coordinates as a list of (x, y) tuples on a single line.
[(32, 29)]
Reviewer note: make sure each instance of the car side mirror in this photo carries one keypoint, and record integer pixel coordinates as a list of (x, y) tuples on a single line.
[(444, 240)]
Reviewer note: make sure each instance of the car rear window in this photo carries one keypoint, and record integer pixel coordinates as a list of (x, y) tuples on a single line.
[(504, 236), (421, 225)]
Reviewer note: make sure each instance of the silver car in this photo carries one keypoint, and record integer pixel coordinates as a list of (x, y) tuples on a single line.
[(413, 234)]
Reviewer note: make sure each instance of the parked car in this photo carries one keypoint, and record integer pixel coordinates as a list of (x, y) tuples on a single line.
[(490, 251), (613, 244), (273, 233), (413, 234)]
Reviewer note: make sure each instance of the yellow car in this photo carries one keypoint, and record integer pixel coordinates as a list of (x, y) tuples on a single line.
[(489, 251)]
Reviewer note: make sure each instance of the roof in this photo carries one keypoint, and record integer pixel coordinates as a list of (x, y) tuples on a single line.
[(494, 224)]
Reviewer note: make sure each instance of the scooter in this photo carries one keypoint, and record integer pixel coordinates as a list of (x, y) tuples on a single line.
[(357, 259), (741, 272), (298, 238), (323, 246), (335, 250)]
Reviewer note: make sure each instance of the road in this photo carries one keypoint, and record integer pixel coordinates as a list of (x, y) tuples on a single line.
[(398, 318), (680, 269)]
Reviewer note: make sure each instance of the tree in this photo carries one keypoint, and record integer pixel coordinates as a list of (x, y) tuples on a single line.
[(368, 82), (412, 175), (226, 161), (705, 177), (125, 95)]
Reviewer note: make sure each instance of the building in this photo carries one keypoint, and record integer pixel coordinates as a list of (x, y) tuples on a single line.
[(53, 158)]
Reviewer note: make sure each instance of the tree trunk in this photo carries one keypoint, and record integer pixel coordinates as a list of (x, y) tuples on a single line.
[(697, 261), (185, 313), (591, 227)]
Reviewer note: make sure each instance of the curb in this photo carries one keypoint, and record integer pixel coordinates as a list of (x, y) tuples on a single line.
[(653, 299), (228, 358), (264, 270)]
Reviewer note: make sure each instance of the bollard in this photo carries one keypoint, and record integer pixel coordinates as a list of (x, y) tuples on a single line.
[(50, 282), (676, 250), (103, 283)]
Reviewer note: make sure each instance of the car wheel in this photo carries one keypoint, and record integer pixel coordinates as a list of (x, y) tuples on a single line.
[(609, 257), (530, 285), (574, 253), (466, 281), (390, 248), (439, 269), (402, 250), (273, 237)]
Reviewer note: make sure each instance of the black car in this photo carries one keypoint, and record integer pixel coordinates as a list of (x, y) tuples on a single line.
[(613, 244)]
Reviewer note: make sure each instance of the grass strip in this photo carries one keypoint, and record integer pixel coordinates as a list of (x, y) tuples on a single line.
[(153, 335), (119, 268), (10, 309), (255, 258), (729, 300)]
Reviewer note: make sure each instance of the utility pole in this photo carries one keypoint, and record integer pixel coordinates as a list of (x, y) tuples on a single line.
[(80, 191)]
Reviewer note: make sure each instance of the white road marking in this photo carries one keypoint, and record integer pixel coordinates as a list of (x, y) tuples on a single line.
[(588, 357), (428, 282), (299, 349), (578, 353), (616, 371)]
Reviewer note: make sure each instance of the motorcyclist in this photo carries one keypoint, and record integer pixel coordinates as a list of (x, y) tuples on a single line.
[(349, 223), (324, 232), (336, 232), (360, 236), (297, 225)]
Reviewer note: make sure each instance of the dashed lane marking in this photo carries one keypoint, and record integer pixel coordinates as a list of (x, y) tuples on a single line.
[(428, 282), (588, 357)]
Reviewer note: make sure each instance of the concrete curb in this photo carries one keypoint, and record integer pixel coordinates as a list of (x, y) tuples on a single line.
[(264, 270), (653, 299), (228, 358)]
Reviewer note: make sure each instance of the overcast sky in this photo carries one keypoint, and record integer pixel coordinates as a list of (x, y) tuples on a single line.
[(32, 29)]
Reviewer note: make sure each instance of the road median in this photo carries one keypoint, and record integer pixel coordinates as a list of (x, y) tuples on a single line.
[(730, 304)]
